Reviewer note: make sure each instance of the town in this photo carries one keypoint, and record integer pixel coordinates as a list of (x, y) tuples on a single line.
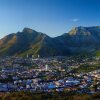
[(35, 74)]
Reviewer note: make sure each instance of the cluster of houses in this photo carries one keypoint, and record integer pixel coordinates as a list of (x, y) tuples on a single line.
[(45, 75)]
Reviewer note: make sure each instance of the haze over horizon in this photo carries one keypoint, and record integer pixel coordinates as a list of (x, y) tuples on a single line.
[(53, 17)]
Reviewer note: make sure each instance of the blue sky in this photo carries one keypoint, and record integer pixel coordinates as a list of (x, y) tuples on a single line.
[(53, 17)]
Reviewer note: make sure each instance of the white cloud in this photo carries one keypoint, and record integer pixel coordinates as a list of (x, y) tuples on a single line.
[(75, 20)]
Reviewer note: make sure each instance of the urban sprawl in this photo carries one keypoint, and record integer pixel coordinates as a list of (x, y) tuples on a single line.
[(49, 74)]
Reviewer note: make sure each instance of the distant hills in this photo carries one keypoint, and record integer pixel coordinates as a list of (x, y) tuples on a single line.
[(79, 40)]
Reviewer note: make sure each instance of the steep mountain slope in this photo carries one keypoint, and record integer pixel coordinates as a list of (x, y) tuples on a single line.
[(78, 40), (81, 39), (30, 42)]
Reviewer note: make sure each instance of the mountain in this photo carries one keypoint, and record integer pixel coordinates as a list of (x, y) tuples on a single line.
[(30, 42), (78, 40), (81, 39)]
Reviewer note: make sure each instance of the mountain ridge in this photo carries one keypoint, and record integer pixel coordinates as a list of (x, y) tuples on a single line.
[(78, 40)]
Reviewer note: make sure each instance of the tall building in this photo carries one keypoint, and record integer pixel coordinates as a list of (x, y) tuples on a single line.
[(46, 67)]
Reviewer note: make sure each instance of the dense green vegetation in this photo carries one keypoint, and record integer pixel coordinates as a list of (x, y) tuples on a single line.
[(97, 53), (87, 68), (49, 96)]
